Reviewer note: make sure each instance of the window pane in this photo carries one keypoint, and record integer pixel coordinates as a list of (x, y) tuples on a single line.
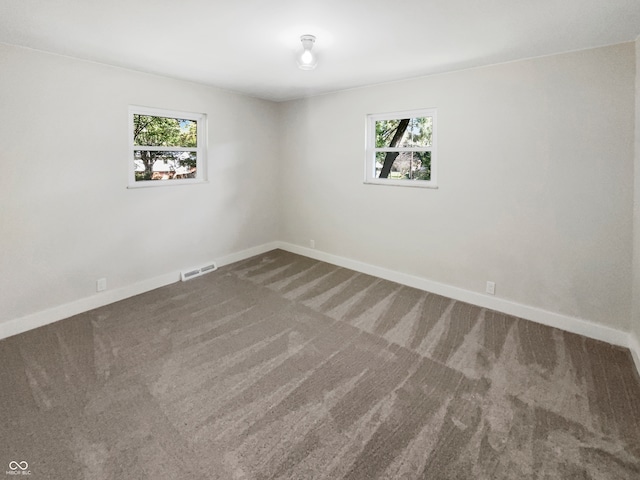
[(386, 131), (418, 133), (150, 165), (155, 131), (407, 132), (403, 165)]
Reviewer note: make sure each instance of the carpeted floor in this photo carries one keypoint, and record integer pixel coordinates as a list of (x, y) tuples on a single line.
[(283, 367)]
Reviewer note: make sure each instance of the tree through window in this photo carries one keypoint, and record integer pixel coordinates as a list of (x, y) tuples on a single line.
[(401, 148), (166, 146)]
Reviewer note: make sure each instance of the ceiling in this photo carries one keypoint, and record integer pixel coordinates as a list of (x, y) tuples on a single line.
[(249, 46)]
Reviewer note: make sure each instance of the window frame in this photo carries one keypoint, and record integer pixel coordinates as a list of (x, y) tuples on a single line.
[(200, 149), (371, 149)]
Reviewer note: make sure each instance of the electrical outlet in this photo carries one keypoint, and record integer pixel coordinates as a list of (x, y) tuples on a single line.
[(101, 285), (491, 288), (312, 243)]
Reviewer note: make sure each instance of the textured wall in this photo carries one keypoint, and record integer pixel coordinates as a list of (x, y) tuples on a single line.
[(635, 321), (67, 217), (535, 176)]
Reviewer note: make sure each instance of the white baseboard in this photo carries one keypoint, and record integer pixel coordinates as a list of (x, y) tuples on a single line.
[(545, 317), (564, 322), (51, 315)]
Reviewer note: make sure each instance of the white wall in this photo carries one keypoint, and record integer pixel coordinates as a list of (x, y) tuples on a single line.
[(535, 173), (66, 216), (635, 321), (536, 182)]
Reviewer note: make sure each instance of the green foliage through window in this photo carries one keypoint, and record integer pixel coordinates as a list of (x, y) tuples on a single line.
[(400, 148), (164, 132), (415, 132), (403, 147), (164, 147)]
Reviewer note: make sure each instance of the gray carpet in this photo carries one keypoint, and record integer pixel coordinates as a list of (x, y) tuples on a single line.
[(283, 367)]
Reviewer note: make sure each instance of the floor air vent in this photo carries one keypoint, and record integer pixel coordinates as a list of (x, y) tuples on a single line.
[(197, 271)]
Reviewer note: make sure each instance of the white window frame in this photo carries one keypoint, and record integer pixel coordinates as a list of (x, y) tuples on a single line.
[(200, 149), (371, 150)]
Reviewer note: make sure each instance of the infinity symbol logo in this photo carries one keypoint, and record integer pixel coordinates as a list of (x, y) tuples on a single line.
[(13, 465)]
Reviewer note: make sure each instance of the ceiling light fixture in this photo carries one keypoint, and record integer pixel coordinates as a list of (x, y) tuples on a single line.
[(306, 59)]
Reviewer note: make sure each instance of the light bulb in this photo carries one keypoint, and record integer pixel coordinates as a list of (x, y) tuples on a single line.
[(306, 58)]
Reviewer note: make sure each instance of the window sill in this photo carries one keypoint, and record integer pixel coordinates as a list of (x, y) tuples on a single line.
[(403, 183), (165, 183)]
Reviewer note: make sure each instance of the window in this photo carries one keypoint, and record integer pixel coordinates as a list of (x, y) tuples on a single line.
[(401, 148), (166, 147)]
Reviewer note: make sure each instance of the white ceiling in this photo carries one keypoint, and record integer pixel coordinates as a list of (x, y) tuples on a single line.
[(249, 45)]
